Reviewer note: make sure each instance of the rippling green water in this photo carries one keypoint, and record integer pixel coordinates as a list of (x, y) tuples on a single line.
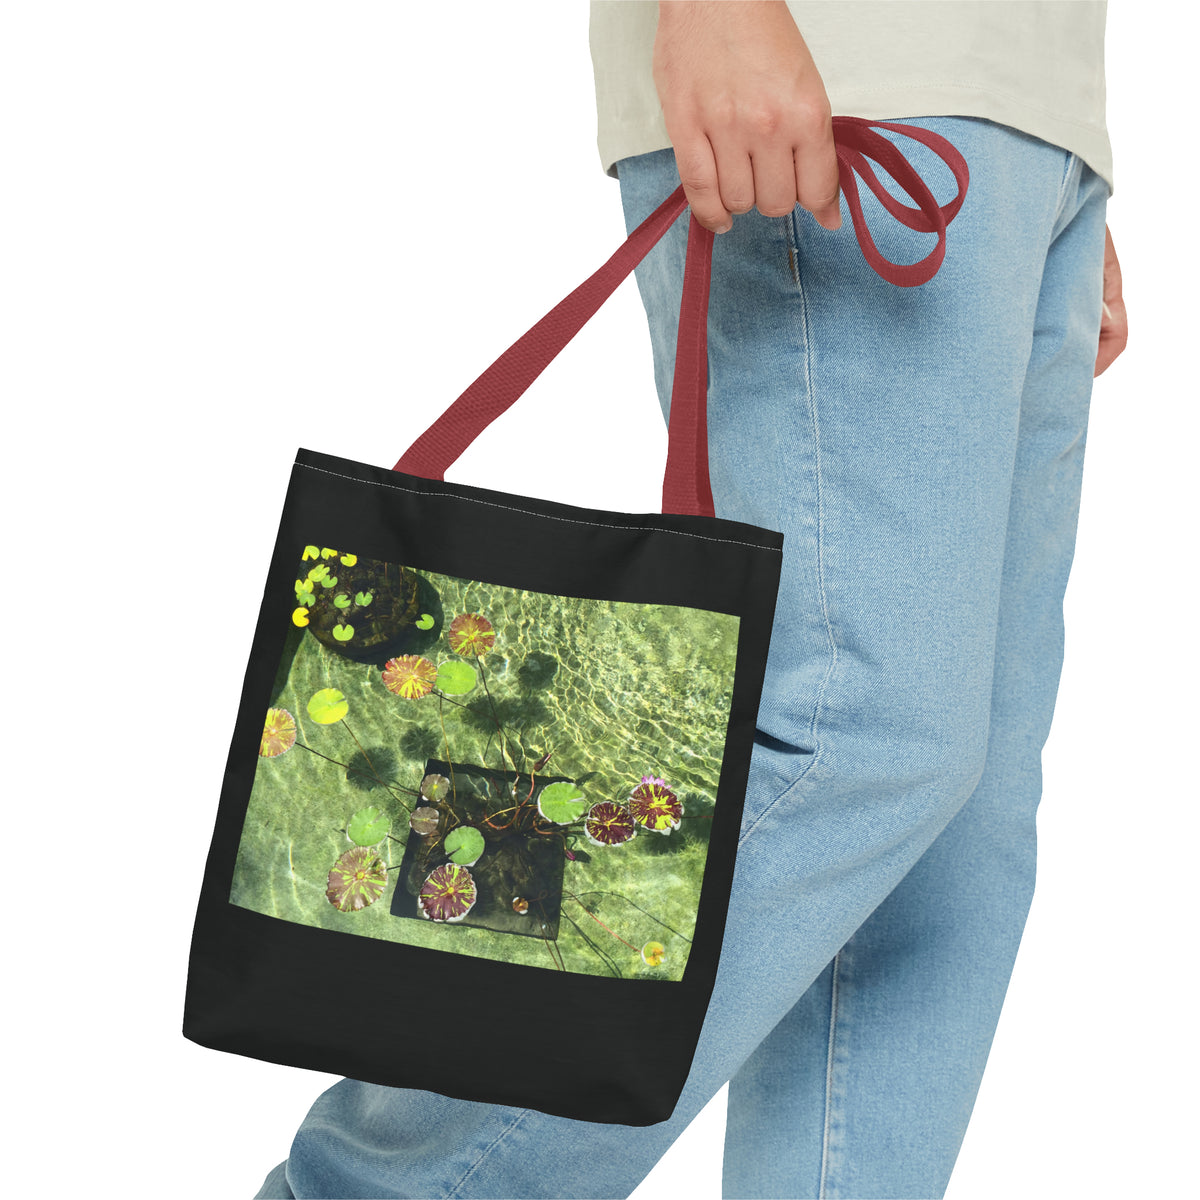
[(615, 691)]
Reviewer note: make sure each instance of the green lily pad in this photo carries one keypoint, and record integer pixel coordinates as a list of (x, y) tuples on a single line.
[(464, 845), (368, 826), (455, 678), (343, 633), (329, 581), (561, 803), (328, 706), (424, 621), (362, 599), (341, 600)]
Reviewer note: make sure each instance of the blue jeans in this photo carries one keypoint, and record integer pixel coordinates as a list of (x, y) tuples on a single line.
[(921, 450)]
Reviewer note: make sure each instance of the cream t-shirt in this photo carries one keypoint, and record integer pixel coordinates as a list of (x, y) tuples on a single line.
[(1035, 65)]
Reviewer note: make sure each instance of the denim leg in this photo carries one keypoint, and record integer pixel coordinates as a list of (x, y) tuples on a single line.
[(870, 1080), (877, 427)]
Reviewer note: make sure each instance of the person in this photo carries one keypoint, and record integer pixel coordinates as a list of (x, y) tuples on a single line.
[(921, 450)]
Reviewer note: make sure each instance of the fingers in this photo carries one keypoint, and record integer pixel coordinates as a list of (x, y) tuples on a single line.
[(1114, 324), (724, 179), (817, 173), (698, 174)]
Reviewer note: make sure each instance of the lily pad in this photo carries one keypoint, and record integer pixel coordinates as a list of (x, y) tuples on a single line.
[(343, 633), (410, 676), (435, 787), (328, 706), (653, 953), (655, 806), (464, 845), (368, 827), (456, 678), (424, 821), (561, 803), (279, 733), (357, 880), (609, 823), (471, 634), (424, 621), (447, 894)]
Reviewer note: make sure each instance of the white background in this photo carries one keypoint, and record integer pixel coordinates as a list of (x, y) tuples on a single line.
[(232, 229)]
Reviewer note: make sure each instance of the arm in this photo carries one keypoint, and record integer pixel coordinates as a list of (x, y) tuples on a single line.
[(746, 111)]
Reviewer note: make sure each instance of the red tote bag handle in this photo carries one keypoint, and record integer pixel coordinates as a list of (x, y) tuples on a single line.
[(686, 487)]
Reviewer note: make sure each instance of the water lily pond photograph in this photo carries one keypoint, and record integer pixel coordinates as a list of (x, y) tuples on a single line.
[(486, 771)]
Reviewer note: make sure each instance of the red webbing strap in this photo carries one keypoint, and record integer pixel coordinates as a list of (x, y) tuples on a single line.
[(686, 487), (501, 384), (853, 139)]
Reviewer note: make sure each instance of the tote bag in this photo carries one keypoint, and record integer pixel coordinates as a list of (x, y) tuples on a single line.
[(478, 823)]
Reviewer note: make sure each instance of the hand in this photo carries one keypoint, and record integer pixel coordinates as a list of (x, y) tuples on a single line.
[(745, 110), (1114, 327)]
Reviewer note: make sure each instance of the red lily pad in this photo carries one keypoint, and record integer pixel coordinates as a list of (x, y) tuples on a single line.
[(424, 821), (448, 893), (609, 823), (279, 733), (471, 635), (410, 676), (655, 806), (357, 880)]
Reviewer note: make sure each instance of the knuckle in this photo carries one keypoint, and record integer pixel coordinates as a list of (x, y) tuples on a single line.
[(696, 181), (812, 122), (765, 122)]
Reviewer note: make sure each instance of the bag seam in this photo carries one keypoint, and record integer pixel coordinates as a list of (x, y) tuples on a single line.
[(398, 487)]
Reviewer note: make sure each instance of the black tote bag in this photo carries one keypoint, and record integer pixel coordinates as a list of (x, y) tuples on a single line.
[(479, 818)]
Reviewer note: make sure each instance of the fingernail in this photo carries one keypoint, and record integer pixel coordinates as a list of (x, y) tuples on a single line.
[(1107, 310), (725, 228)]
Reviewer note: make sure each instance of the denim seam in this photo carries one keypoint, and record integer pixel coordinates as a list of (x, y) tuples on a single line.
[(1068, 167), (806, 325), (454, 1191), (833, 1014)]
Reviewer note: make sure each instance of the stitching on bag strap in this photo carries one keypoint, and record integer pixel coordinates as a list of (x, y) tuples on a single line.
[(545, 516)]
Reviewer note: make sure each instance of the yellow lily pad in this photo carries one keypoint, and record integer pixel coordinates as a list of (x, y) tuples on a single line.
[(328, 706)]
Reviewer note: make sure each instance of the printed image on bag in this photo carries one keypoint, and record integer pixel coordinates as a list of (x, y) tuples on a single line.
[(491, 772)]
